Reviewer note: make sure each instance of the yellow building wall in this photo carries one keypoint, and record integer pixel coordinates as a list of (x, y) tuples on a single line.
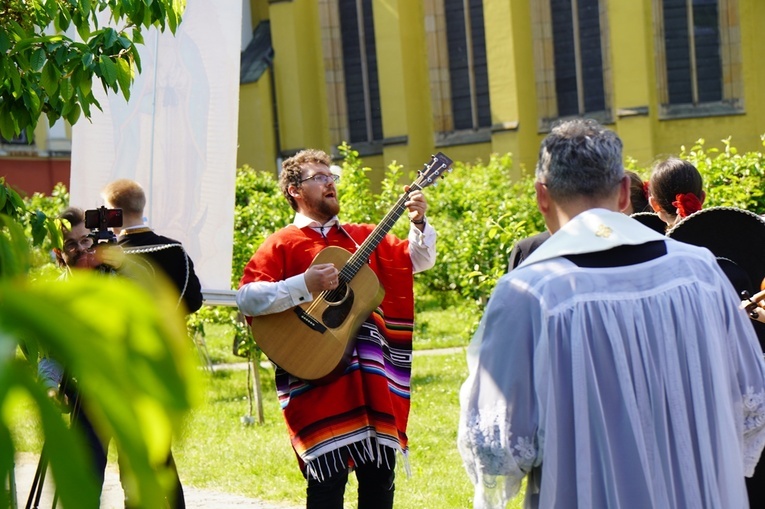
[(299, 73), (404, 87), (406, 94), (511, 82), (256, 145), (633, 77)]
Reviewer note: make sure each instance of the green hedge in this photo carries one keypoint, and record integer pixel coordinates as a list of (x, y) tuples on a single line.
[(478, 212)]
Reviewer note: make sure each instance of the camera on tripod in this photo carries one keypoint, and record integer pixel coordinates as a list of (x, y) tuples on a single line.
[(99, 220)]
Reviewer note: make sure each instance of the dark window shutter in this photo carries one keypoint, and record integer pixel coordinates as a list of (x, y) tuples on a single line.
[(565, 58), (706, 28), (352, 68), (677, 50), (459, 70), (706, 34), (480, 66), (592, 56)]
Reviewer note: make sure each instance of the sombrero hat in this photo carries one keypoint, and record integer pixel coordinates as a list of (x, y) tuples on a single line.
[(651, 220), (733, 235)]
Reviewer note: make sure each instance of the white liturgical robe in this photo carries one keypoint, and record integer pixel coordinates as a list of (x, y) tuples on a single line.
[(627, 386)]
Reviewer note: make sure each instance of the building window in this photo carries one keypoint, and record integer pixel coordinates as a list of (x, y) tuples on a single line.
[(362, 89), (698, 57), (468, 74), (21, 139), (570, 48)]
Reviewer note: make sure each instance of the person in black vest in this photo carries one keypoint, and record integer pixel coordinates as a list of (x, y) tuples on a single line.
[(165, 254), (159, 254)]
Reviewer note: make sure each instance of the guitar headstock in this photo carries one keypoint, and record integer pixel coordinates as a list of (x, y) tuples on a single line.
[(754, 305), (437, 167)]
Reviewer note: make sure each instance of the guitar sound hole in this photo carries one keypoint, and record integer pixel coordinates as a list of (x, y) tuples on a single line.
[(340, 302), (336, 295)]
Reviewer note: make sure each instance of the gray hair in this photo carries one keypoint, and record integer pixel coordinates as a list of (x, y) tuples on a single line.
[(580, 158)]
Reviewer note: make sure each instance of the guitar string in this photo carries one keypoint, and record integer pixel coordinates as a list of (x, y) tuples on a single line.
[(335, 294)]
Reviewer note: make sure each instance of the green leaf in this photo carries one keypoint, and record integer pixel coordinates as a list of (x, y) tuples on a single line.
[(5, 41), (49, 78), (14, 250), (110, 37), (13, 73), (85, 7), (124, 77), (62, 20), (108, 70), (83, 27), (7, 126), (136, 58), (137, 35), (124, 42), (38, 59), (87, 60), (38, 222), (74, 114), (86, 83), (3, 196), (16, 200)]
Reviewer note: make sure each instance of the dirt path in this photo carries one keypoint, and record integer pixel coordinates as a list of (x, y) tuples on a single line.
[(113, 498)]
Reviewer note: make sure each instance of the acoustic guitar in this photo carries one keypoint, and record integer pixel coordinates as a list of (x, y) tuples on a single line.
[(314, 341)]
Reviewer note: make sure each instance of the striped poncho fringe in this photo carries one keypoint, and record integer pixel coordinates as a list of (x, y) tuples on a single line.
[(335, 461)]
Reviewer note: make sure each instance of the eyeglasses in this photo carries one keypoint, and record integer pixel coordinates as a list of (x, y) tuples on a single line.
[(322, 178), (85, 243)]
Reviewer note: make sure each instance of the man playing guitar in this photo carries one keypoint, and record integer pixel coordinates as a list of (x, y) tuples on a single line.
[(358, 419)]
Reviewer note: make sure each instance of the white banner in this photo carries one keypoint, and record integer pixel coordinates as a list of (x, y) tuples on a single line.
[(177, 136)]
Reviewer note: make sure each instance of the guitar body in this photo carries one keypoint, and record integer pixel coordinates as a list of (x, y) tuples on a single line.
[(314, 341)]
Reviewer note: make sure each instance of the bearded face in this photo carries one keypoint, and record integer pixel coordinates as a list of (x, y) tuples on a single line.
[(317, 194), (78, 249)]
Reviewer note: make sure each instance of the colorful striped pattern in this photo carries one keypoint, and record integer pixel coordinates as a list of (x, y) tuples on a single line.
[(367, 408)]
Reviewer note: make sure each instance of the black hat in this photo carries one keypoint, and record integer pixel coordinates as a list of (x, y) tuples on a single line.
[(733, 235), (651, 220)]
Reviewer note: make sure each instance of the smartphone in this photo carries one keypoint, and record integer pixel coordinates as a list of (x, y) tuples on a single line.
[(103, 218)]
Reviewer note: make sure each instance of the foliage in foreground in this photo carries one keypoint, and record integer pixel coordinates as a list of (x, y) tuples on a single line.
[(122, 340)]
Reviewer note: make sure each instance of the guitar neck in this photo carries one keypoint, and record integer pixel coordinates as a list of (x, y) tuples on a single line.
[(361, 256), (438, 164)]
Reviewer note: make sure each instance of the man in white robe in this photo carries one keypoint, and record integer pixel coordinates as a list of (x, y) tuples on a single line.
[(613, 367)]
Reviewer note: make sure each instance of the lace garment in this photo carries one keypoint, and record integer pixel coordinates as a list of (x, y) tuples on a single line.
[(619, 387)]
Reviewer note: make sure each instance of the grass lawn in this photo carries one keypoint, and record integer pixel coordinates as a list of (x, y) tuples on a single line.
[(216, 451)]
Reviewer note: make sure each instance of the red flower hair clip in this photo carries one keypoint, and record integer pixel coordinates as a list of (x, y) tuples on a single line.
[(686, 204), (646, 189)]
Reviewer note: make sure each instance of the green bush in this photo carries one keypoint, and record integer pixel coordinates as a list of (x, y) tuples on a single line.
[(479, 214), (730, 179), (477, 211)]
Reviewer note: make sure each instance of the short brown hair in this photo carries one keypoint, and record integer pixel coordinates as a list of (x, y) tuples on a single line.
[(292, 170), (71, 217), (125, 194)]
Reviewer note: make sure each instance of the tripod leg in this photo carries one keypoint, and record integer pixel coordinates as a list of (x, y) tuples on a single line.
[(35, 491), (12, 488)]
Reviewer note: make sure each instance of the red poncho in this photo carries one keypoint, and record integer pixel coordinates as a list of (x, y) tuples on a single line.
[(347, 421)]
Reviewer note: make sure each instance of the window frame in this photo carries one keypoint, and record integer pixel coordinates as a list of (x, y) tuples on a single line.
[(544, 63), (732, 102), (440, 78)]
